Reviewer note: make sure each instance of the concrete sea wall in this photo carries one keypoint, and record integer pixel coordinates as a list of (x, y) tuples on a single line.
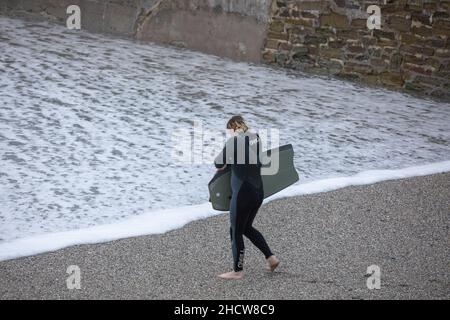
[(231, 28)]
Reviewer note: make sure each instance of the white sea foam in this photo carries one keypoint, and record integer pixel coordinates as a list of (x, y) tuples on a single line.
[(363, 178), (161, 221), (86, 123)]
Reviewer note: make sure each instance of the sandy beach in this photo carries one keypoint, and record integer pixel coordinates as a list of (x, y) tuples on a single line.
[(325, 242)]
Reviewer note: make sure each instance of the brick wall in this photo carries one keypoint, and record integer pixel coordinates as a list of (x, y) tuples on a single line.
[(410, 52)]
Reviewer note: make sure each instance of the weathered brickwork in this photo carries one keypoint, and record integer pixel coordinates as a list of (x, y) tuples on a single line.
[(411, 51)]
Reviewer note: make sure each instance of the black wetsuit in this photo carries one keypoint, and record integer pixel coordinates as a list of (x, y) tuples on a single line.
[(242, 153)]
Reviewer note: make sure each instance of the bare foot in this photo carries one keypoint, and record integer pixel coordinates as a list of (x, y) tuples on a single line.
[(232, 275), (273, 263)]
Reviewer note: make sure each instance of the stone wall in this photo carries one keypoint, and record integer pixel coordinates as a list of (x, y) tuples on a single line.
[(411, 51), (229, 28)]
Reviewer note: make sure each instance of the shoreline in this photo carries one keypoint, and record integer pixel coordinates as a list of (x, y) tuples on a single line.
[(165, 220), (325, 241)]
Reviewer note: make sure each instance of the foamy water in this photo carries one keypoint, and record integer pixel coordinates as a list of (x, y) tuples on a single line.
[(161, 221), (86, 122)]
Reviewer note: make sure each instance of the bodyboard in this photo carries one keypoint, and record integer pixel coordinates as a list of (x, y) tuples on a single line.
[(220, 185)]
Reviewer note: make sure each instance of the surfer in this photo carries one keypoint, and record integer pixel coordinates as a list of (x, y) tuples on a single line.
[(242, 153)]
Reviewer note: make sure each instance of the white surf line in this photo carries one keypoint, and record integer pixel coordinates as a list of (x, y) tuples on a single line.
[(362, 178), (161, 221)]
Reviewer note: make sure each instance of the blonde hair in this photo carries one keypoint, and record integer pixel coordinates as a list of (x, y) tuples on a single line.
[(236, 123)]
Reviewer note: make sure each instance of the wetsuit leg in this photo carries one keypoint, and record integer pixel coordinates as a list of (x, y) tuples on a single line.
[(254, 235), (240, 206), (245, 202)]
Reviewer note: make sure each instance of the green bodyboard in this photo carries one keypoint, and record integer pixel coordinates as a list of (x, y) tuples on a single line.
[(220, 185)]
